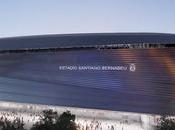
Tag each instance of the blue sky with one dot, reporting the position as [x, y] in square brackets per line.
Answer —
[36, 17]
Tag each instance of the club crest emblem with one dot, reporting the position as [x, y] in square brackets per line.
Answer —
[132, 67]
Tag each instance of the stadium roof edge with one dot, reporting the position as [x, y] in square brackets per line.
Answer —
[83, 40]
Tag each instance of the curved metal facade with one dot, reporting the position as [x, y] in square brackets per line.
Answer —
[36, 78]
[83, 40]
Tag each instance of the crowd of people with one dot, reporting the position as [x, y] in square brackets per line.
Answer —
[82, 123]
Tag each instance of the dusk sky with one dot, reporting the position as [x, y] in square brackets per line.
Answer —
[37, 17]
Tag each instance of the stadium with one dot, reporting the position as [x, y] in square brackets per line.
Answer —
[143, 82]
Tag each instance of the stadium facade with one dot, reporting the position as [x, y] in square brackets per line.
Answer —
[139, 74]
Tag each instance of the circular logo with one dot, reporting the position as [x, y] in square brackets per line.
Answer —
[132, 67]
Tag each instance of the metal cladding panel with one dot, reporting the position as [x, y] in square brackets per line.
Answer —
[145, 84]
[83, 40]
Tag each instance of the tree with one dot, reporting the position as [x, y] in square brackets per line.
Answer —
[49, 120]
[17, 124]
[66, 121]
[166, 123]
